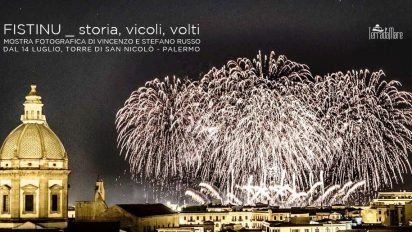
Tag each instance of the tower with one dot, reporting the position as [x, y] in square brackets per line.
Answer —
[99, 194]
[33, 171]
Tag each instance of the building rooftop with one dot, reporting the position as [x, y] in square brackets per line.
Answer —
[144, 210]
[291, 224]
[194, 208]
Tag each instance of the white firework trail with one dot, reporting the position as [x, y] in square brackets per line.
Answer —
[196, 196]
[325, 195]
[212, 190]
[341, 192]
[352, 189]
[285, 196]
[232, 199]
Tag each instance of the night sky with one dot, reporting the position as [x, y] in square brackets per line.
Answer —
[82, 92]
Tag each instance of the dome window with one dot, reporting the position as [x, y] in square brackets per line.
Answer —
[29, 198]
[55, 197]
[5, 199]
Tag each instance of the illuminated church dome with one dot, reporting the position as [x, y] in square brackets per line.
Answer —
[34, 172]
[33, 139]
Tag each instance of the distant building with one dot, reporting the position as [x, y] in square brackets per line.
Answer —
[142, 217]
[253, 218]
[131, 217]
[91, 210]
[392, 198]
[34, 172]
[183, 229]
[389, 209]
[71, 212]
[275, 226]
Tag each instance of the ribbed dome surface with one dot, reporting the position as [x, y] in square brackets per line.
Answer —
[32, 141]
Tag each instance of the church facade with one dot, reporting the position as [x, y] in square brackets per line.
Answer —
[34, 172]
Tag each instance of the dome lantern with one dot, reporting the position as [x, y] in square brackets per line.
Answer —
[33, 108]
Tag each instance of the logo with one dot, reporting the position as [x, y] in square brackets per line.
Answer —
[388, 33]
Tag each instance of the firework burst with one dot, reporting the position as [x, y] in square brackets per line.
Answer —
[154, 130]
[264, 117]
[252, 124]
[370, 119]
